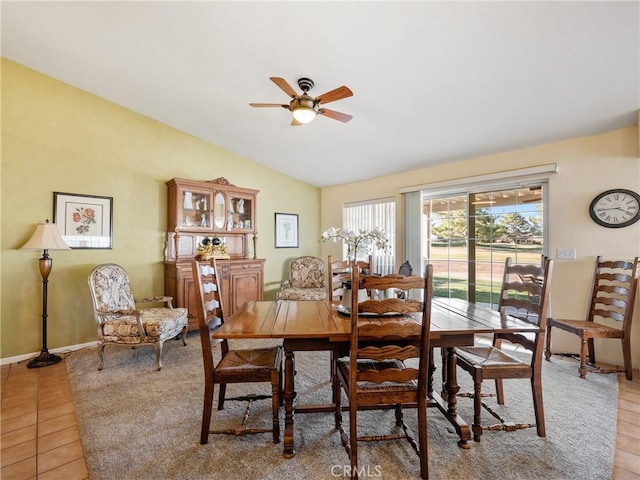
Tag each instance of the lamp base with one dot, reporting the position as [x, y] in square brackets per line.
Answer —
[44, 359]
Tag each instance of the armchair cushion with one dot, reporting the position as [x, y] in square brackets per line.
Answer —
[302, 294]
[157, 323]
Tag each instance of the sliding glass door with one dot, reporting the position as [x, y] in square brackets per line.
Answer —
[470, 234]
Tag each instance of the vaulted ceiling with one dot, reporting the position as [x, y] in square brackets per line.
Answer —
[433, 82]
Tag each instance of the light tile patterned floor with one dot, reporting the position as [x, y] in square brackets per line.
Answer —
[40, 437]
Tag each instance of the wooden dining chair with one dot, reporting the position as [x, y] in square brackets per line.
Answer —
[339, 271]
[235, 366]
[525, 295]
[612, 299]
[384, 369]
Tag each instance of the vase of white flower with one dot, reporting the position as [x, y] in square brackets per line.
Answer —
[356, 243]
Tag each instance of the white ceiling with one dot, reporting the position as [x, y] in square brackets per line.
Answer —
[433, 82]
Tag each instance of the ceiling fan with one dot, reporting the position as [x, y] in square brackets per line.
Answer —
[304, 107]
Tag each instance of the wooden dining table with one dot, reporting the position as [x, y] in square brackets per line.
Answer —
[318, 326]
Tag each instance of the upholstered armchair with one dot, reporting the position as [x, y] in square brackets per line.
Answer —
[120, 322]
[306, 280]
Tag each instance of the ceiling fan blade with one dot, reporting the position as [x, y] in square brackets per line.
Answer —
[336, 94]
[342, 117]
[286, 88]
[268, 105]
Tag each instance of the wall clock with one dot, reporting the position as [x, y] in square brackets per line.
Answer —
[615, 208]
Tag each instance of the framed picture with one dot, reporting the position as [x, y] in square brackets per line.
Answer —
[85, 221]
[286, 230]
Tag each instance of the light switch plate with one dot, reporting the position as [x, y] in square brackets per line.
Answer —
[566, 253]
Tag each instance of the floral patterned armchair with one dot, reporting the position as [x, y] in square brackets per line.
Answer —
[118, 320]
[306, 280]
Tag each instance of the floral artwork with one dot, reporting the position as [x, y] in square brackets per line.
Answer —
[84, 217]
[360, 242]
[85, 221]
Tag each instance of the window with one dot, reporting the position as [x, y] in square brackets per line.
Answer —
[470, 234]
[367, 215]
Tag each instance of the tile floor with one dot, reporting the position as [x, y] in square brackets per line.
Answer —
[40, 437]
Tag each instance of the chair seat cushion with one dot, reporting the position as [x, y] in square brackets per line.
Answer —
[577, 326]
[344, 364]
[159, 323]
[488, 357]
[251, 360]
[302, 294]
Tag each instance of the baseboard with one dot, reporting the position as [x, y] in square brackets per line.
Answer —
[61, 350]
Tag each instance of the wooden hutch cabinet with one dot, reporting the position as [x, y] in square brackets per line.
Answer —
[200, 210]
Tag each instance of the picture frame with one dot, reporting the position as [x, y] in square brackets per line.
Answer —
[85, 221]
[286, 230]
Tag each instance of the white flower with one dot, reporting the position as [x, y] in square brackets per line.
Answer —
[357, 242]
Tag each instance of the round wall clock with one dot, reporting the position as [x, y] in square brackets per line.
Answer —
[615, 208]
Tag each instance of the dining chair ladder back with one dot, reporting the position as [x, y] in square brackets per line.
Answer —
[612, 299]
[385, 368]
[253, 365]
[525, 295]
[338, 274]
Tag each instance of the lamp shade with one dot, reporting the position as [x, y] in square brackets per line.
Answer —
[46, 237]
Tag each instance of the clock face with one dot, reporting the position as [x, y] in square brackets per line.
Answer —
[616, 208]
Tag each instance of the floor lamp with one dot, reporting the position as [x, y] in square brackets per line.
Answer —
[46, 237]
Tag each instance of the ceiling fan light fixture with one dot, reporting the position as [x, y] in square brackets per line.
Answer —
[303, 108]
[304, 114]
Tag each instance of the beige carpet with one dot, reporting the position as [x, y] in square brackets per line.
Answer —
[138, 423]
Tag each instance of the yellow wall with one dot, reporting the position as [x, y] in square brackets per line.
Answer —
[587, 166]
[58, 138]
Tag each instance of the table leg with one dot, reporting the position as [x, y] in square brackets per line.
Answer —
[288, 395]
[443, 355]
[452, 388]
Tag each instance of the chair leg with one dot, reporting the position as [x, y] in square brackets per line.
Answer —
[592, 351]
[477, 408]
[100, 355]
[221, 394]
[337, 413]
[499, 391]
[207, 406]
[335, 385]
[582, 370]
[538, 407]
[626, 355]
[399, 415]
[353, 440]
[547, 351]
[158, 345]
[184, 336]
[422, 438]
